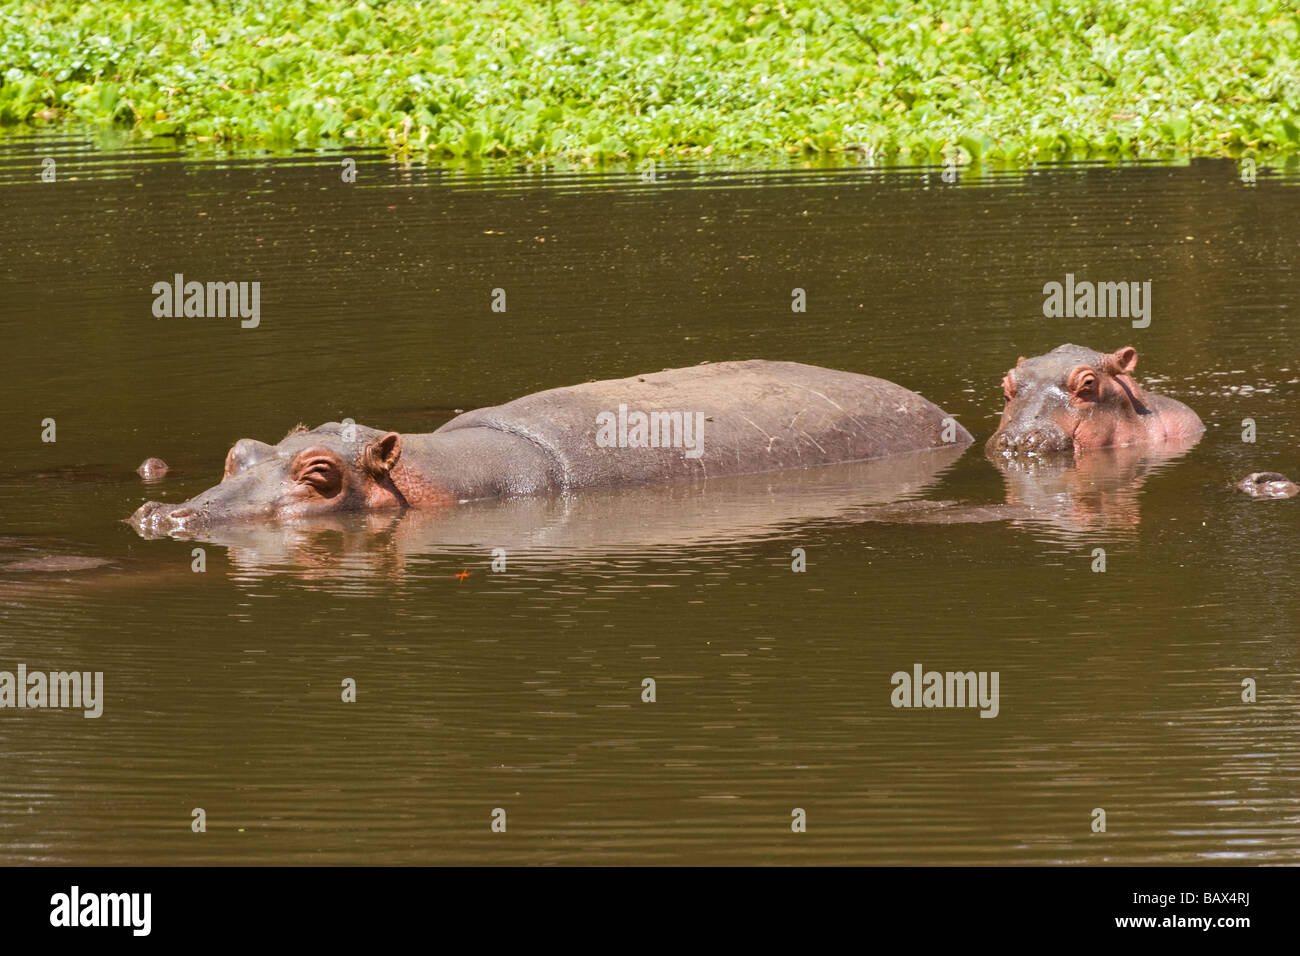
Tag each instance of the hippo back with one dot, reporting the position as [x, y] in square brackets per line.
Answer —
[729, 418]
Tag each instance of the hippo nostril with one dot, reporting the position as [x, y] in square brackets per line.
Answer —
[181, 513]
[148, 510]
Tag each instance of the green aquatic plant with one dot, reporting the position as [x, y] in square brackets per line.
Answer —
[971, 80]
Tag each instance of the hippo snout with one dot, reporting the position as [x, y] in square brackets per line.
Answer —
[159, 518]
[1044, 439]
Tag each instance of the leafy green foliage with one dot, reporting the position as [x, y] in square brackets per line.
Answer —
[1009, 80]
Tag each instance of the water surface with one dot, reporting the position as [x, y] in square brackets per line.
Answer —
[522, 689]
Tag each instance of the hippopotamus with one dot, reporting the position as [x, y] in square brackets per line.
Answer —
[702, 422]
[1268, 484]
[1074, 399]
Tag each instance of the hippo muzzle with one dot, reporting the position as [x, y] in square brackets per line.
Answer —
[156, 519]
[1045, 438]
[251, 494]
[148, 517]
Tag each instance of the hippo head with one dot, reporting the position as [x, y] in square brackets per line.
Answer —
[1070, 400]
[329, 469]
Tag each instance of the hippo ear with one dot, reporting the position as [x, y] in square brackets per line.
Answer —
[1124, 361]
[1020, 361]
[381, 454]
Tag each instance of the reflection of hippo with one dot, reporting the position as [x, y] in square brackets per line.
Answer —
[1268, 484]
[1089, 493]
[707, 421]
[1093, 492]
[1073, 399]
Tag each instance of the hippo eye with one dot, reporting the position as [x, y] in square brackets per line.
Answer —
[1008, 388]
[322, 475]
[1082, 381]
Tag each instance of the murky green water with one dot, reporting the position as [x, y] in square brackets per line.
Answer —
[522, 689]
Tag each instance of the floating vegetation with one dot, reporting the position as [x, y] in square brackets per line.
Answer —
[969, 80]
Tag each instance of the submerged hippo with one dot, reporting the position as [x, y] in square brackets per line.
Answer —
[1268, 484]
[152, 469]
[1074, 399]
[707, 421]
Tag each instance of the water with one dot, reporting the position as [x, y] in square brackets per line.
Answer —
[522, 690]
